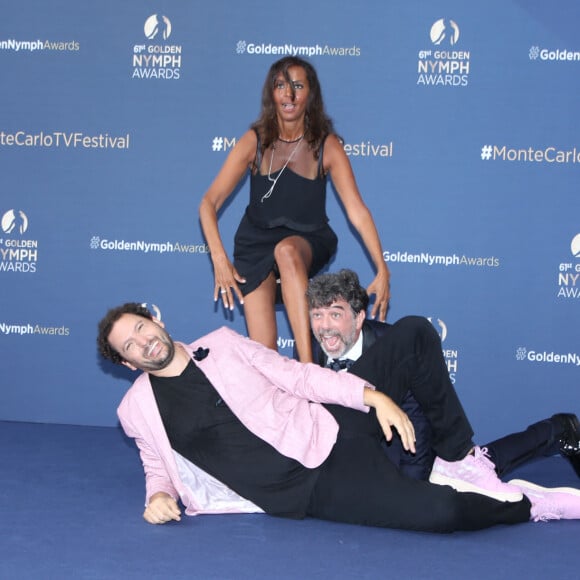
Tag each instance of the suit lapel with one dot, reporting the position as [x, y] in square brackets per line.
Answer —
[369, 336]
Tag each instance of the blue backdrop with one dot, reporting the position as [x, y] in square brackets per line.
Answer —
[460, 120]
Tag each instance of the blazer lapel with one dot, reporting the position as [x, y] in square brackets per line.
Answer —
[369, 336]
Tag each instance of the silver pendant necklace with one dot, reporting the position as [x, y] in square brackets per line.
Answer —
[274, 180]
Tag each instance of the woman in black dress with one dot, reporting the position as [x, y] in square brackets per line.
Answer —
[284, 236]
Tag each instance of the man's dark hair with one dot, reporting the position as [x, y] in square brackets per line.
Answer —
[106, 325]
[324, 289]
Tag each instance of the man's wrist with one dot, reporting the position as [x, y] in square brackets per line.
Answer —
[369, 395]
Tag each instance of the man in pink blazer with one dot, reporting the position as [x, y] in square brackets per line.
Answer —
[227, 425]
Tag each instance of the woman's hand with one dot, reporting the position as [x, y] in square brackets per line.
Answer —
[226, 282]
[381, 288]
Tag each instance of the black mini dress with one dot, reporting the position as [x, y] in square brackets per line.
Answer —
[283, 203]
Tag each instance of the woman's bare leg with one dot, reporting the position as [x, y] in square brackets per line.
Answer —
[259, 310]
[293, 256]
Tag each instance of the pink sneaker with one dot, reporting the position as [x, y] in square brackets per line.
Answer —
[550, 503]
[475, 473]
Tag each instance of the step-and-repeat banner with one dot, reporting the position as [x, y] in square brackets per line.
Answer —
[460, 120]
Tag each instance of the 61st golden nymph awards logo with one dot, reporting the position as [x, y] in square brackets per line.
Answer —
[569, 272]
[451, 355]
[156, 58]
[16, 253]
[443, 64]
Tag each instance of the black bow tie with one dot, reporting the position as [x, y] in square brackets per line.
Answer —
[339, 365]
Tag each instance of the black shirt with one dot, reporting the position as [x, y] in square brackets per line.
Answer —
[202, 428]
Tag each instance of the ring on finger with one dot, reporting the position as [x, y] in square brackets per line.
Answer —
[223, 291]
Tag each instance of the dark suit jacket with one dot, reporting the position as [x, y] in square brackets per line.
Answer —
[418, 465]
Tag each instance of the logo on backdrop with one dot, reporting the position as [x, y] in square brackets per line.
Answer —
[443, 64]
[28, 328]
[451, 355]
[369, 149]
[547, 54]
[444, 32]
[157, 59]
[14, 221]
[291, 49]
[41, 45]
[142, 246]
[223, 143]
[62, 140]
[549, 154]
[429, 259]
[153, 309]
[285, 343]
[549, 357]
[362, 149]
[575, 246]
[441, 328]
[16, 253]
[569, 272]
[157, 27]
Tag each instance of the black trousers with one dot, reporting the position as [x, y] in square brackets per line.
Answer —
[539, 439]
[358, 484]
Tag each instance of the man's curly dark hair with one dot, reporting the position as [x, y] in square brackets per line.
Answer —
[324, 289]
[106, 325]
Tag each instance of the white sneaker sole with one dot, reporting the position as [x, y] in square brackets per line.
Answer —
[523, 485]
[465, 486]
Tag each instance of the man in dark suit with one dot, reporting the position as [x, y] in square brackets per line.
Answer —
[406, 362]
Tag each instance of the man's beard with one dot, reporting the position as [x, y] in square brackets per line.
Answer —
[159, 364]
[346, 341]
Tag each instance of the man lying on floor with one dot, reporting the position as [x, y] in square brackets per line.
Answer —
[225, 424]
[405, 361]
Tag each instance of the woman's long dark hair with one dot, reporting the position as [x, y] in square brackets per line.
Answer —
[317, 124]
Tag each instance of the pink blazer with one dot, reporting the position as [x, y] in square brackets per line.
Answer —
[275, 397]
